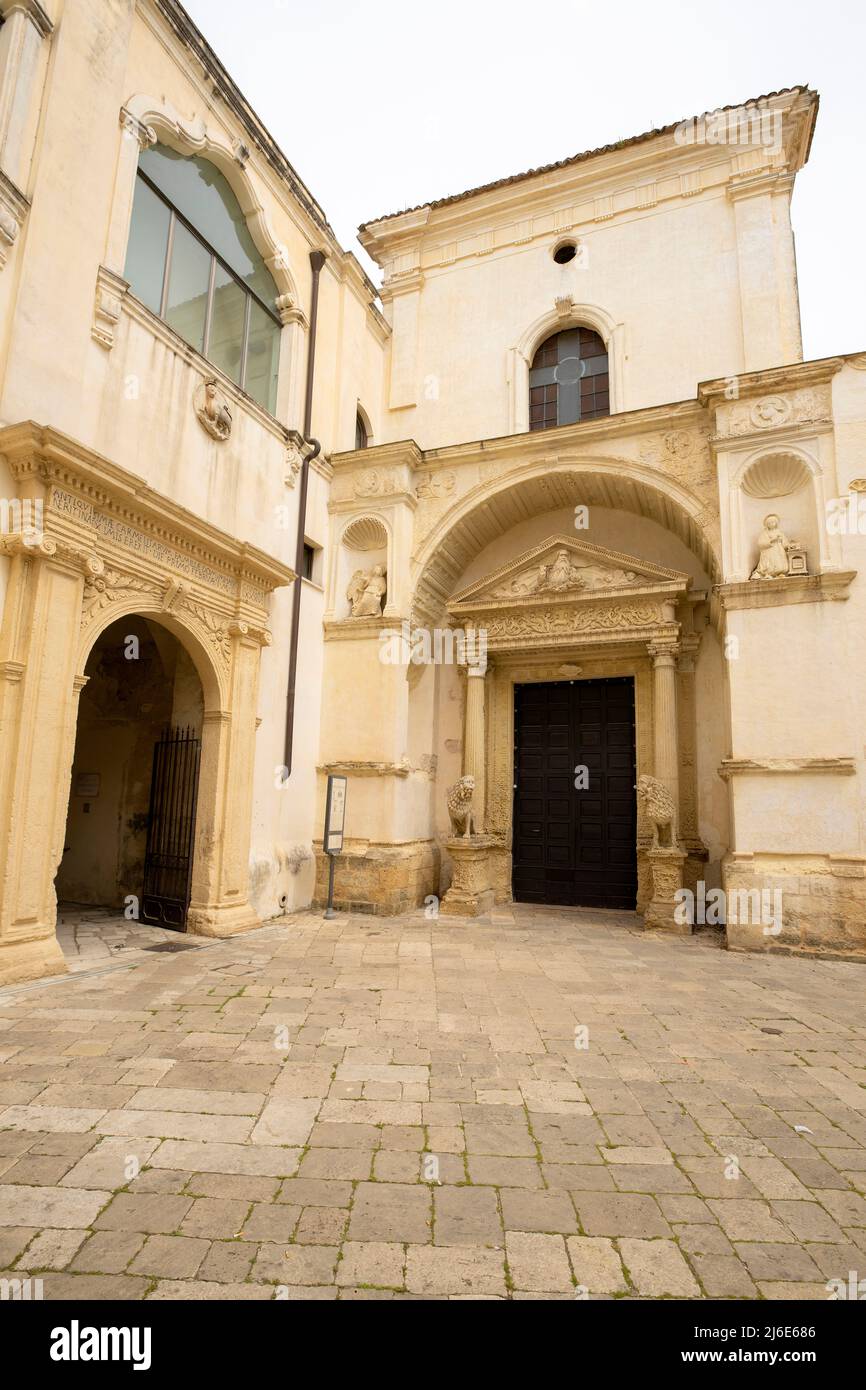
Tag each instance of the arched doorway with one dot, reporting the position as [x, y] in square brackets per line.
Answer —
[589, 580]
[130, 824]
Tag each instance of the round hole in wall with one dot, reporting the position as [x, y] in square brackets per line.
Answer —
[565, 252]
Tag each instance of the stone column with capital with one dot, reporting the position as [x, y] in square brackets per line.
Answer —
[690, 838]
[474, 737]
[665, 730]
[666, 863]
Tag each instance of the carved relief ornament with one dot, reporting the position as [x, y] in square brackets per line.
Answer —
[809, 405]
[373, 482]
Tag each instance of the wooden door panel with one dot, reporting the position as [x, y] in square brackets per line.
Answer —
[571, 845]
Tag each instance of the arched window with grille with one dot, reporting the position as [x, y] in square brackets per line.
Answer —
[362, 438]
[568, 379]
[191, 260]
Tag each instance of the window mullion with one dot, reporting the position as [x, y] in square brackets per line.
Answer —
[208, 313]
[246, 341]
[163, 302]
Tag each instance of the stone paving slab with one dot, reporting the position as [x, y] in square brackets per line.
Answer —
[540, 1105]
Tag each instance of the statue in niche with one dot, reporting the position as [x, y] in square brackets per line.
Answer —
[773, 548]
[366, 592]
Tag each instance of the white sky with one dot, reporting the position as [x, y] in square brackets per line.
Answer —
[387, 103]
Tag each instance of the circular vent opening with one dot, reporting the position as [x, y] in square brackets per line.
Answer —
[565, 253]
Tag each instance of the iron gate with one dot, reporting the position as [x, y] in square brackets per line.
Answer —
[171, 829]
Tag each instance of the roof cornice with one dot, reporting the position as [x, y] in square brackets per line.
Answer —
[656, 153]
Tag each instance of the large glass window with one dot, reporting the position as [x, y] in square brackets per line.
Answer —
[148, 238]
[569, 380]
[191, 260]
[188, 286]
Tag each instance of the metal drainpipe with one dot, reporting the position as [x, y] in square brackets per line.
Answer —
[317, 260]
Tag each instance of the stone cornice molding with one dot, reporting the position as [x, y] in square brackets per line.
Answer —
[770, 381]
[556, 442]
[368, 768]
[839, 767]
[402, 451]
[408, 282]
[772, 181]
[831, 586]
[339, 629]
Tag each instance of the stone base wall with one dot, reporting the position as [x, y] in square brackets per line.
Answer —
[823, 904]
[381, 879]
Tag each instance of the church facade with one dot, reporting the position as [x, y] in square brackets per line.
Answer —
[550, 546]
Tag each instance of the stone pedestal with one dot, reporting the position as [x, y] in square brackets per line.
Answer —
[470, 894]
[666, 871]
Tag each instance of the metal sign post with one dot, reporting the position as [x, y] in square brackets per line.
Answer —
[332, 843]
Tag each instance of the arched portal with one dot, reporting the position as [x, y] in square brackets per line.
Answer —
[495, 507]
[130, 823]
[587, 582]
[114, 549]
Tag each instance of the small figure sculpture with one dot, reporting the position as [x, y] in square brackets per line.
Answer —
[773, 547]
[366, 592]
[212, 410]
[659, 806]
[530, 582]
[459, 799]
[563, 574]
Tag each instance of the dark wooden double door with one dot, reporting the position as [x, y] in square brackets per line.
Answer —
[575, 844]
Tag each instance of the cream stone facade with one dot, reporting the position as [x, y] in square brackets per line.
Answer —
[464, 566]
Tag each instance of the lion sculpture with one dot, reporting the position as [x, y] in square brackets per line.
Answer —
[460, 807]
[659, 806]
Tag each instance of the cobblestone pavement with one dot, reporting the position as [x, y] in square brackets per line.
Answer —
[370, 1108]
[95, 936]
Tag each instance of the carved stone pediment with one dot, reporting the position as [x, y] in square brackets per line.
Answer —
[565, 591]
[564, 568]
